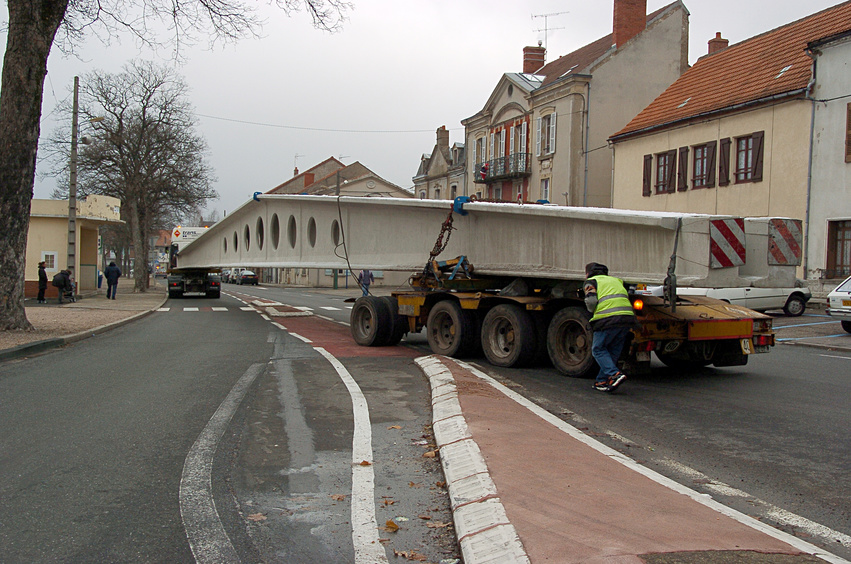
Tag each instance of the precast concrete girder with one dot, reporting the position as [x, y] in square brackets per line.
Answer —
[503, 239]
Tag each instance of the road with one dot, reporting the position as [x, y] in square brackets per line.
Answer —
[768, 439]
[206, 432]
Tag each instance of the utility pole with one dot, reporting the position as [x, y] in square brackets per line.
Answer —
[72, 185]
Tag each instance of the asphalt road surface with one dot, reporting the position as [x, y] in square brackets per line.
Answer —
[206, 432]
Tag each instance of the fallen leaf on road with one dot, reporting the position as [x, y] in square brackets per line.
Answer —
[256, 517]
[394, 427]
[389, 527]
[338, 497]
[430, 454]
[437, 525]
[440, 484]
[414, 485]
[365, 463]
[409, 554]
[424, 517]
[387, 502]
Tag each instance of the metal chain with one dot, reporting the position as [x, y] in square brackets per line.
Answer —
[440, 244]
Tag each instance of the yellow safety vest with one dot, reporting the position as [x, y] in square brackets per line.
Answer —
[612, 298]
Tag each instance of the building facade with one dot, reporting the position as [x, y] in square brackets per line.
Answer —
[442, 173]
[756, 129]
[542, 135]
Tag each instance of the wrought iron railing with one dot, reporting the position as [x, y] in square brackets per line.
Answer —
[516, 165]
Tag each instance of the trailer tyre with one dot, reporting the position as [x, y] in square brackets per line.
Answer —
[398, 322]
[371, 322]
[846, 325]
[569, 340]
[508, 336]
[451, 330]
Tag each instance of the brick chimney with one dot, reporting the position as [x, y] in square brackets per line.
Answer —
[534, 58]
[717, 43]
[443, 137]
[630, 19]
[295, 171]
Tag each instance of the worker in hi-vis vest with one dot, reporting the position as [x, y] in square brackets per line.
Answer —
[611, 321]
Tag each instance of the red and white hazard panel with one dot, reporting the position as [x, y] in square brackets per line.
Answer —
[785, 238]
[726, 242]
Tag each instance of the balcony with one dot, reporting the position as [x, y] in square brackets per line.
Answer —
[517, 165]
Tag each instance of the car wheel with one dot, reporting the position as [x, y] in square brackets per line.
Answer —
[846, 325]
[795, 306]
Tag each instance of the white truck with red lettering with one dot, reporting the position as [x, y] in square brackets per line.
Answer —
[191, 280]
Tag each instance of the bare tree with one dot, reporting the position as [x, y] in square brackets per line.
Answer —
[33, 26]
[144, 150]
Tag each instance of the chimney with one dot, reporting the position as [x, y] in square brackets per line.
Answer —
[442, 137]
[717, 43]
[295, 171]
[534, 58]
[630, 19]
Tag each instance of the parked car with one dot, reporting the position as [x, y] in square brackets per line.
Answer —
[839, 304]
[247, 277]
[793, 301]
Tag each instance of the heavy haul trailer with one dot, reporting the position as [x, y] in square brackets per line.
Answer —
[522, 321]
[522, 302]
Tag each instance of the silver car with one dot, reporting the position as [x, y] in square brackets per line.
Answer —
[839, 303]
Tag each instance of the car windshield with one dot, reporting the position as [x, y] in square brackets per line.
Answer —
[845, 286]
[247, 273]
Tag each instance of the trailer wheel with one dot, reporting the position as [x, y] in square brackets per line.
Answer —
[451, 330]
[371, 322]
[569, 340]
[398, 322]
[846, 325]
[508, 336]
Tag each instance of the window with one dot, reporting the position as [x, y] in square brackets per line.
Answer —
[437, 193]
[453, 191]
[518, 191]
[703, 166]
[545, 189]
[838, 249]
[546, 136]
[422, 194]
[480, 151]
[497, 193]
[49, 259]
[665, 170]
[749, 158]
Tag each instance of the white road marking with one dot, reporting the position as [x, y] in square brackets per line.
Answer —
[279, 326]
[297, 336]
[219, 309]
[303, 308]
[190, 309]
[330, 308]
[247, 309]
[836, 356]
[204, 530]
[368, 549]
[266, 317]
[163, 309]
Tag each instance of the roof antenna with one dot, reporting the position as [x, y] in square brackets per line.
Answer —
[546, 28]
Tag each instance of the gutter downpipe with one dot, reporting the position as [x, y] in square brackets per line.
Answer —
[587, 135]
[810, 97]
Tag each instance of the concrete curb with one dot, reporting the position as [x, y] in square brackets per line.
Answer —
[48, 344]
[484, 531]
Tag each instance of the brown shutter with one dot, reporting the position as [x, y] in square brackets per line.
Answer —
[848, 134]
[672, 171]
[682, 170]
[758, 144]
[724, 162]
[648, 175]
[710, 163]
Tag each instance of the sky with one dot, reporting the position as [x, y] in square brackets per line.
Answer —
[377, 91]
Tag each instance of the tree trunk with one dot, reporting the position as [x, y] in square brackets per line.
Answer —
[32, 27]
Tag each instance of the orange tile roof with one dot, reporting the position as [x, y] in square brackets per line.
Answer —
[772, 64]
[578, 61]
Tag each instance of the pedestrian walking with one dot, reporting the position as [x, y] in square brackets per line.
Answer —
[42, 282]
[612, 320]
[112, 273]
[365, 278]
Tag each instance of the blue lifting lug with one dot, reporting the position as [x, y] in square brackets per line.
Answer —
[458, 205]
[257, 196]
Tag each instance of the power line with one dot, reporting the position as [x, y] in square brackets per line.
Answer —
[323, 129]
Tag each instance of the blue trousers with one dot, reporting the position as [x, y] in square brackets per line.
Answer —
[110, 290]
[606, 348]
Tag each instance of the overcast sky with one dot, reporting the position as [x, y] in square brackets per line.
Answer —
[377, 91]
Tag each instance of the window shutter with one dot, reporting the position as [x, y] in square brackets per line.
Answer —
[512, 140]
[682, 169]
[648, 175]
[492, 156]
[710, 163]
[758, 145]
[848, 133]
[672, 171]
[523, 148]
[553, 132]
[538, 137]
[724, 162]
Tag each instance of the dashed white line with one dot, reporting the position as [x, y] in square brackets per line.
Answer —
[191, 309]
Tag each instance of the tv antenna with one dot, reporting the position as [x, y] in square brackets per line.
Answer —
[546, 26]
